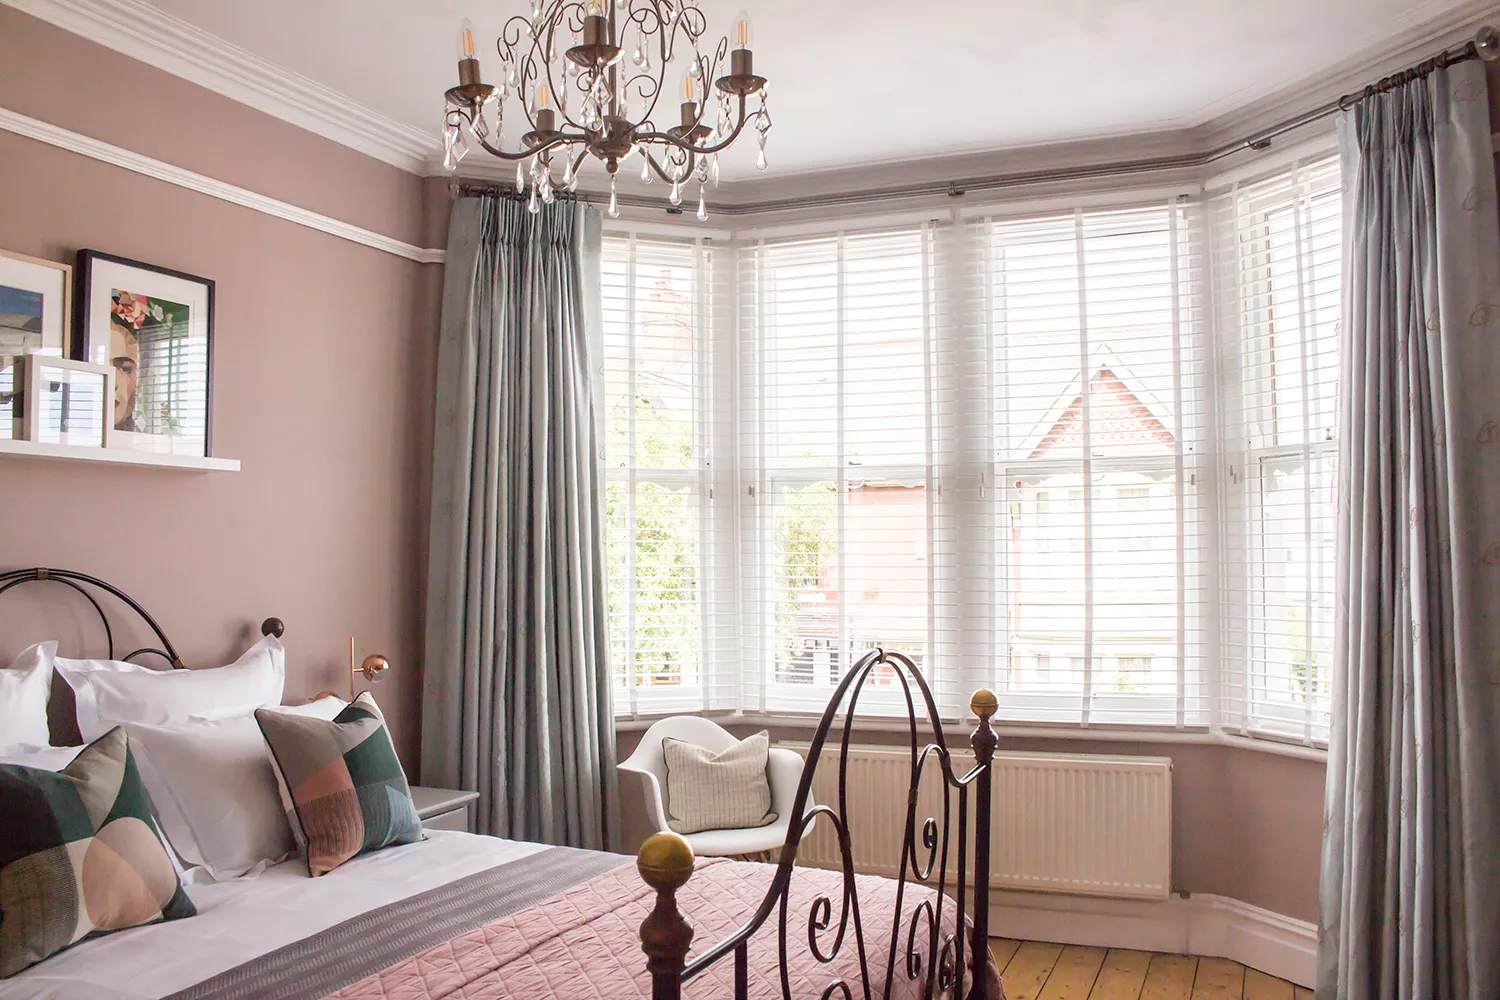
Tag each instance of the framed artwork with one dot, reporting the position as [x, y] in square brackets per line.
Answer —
[155, 326]
[33, 305]
[68, 402]
[34, 319]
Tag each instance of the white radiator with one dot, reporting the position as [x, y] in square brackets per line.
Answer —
[1074, 823]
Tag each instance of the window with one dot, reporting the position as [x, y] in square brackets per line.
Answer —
[836, 364]
[1097, 399]
[1010, 447]
[664, 544]
[1277, 260]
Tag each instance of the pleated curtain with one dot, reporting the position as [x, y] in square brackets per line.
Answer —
[516, 684]
[1410, 901]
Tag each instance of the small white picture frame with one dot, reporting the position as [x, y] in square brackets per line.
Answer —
[68, 402]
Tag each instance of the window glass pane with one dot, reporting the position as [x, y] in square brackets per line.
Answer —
[842, 421]
[805, 647]
[653, 423]
[1278, 249]
[1293, 642]
[1093, 330]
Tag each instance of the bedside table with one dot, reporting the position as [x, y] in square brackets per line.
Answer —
[445, 808]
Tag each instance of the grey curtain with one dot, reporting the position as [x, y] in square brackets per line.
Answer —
[1410, 901]
[516, 686]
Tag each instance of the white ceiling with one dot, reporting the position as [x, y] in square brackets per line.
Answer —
[864, 81]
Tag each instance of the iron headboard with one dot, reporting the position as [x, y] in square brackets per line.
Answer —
[83, 582]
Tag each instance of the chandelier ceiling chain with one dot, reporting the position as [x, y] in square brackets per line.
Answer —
[564, 67]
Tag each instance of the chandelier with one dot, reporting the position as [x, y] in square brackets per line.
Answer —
[578, 96]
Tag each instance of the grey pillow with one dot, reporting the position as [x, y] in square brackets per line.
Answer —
[725, 791]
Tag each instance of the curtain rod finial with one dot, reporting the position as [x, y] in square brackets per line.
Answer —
[1487, 44]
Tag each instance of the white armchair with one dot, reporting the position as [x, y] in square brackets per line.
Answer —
[783, 769]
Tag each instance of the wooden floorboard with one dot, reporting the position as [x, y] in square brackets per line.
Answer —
[1035, 970]
[1074, 974]
[1170, 977]
[1003, 949]
[1219, 979]
[1029, 970]
[1259, 986]
[1122, 975]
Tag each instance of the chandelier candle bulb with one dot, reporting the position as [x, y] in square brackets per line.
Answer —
[466, 48]
[546, 115]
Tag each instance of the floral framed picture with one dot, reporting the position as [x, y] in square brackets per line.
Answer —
[156, 327]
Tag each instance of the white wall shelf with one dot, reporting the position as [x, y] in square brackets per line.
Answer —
[116, 456]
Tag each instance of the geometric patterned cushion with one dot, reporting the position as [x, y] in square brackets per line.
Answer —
[79, 855]
[341, 783]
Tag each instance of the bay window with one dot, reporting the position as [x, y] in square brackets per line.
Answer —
[1083, 457]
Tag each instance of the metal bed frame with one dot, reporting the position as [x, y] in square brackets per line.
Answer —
[945, 966]
[937, 962]
[85, 584]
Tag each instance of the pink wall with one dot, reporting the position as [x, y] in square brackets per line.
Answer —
[324, 353]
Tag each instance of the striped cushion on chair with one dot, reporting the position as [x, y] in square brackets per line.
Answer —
[725, 791]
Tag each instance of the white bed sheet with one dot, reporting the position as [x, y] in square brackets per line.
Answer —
[243, 919]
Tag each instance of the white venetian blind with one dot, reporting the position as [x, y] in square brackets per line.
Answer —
[841, 374]
[1098, 372]
[671, 613]
[1276, 272]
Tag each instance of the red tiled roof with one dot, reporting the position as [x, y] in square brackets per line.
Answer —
[1118, 421]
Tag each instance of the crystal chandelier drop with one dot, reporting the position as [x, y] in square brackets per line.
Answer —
[565, 69]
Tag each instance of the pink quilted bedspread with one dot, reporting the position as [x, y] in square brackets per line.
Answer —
[584, 944]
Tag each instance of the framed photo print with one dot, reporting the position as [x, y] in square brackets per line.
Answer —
[34, 319]
[33, 305]
[68, 402]
[155, 326]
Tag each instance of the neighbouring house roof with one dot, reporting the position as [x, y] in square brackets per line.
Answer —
[1123, 419]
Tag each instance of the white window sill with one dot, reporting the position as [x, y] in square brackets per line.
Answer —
[958, 731]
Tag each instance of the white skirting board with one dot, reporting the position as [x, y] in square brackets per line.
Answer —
[1209, 926]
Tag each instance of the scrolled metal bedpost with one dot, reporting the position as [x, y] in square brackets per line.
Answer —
[665, 861]
[984, 741]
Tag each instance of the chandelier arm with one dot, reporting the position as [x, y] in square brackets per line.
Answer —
[578, 160]
[681, 21]
[671, 139]
[552, 23]
[525, 64]
[561, 138]
[653, 96]
[638, 17]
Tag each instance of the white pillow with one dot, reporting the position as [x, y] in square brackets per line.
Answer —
[24, 691]
[109, 692]
[214, 791]
[43, 758]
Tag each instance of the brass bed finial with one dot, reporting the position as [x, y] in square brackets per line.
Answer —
[665, 861]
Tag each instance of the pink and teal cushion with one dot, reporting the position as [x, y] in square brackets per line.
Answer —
[79, 855]
[341, 783]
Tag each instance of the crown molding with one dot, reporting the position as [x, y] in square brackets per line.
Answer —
[143, 32]
[54, 135]
[1228, 120]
